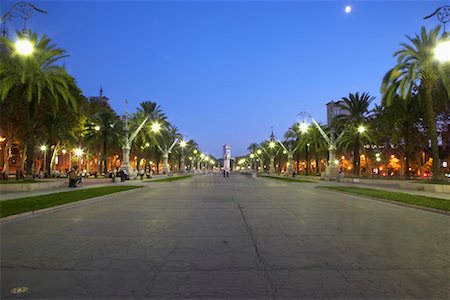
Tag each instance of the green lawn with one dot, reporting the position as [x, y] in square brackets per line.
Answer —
[284, 178]
[170, 179]
[21, 205]
[425, 201]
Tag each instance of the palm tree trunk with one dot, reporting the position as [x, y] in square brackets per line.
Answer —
[356, 158]
[431, 120]
[105, 158]
[317, 165]
[30, 151]
[407, 151]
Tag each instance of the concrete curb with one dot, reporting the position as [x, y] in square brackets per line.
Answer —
[45, 211]
[435, 210]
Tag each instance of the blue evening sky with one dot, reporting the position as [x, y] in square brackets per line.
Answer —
[225, 72]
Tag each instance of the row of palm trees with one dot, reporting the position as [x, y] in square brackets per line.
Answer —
[42, 104]
[413, 115]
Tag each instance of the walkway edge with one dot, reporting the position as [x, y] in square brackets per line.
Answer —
[435, 210]
[48, 210]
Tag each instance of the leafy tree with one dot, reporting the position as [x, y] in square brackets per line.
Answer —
[356, 108]
[35, 81]
[316, 144]
[418, 69]
[104, 130]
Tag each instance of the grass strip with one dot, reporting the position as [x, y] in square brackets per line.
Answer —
[285, 178]
[170, 179]
[424, 201]
[21, 205]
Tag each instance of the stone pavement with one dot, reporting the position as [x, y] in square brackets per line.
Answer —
[241, 238]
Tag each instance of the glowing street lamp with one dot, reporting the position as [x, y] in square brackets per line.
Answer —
[442, 50]
[44, 149]
[24, 47]
[361, 129]
[156, 127]
[304, 127]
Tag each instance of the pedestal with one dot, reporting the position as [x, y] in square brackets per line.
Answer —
[331, 172]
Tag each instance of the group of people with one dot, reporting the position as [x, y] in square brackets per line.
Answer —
[122, 174]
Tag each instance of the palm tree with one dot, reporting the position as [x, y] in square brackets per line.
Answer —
[356, 114]
[252, 148]
[293, 136]
[418, 69]
[106, 131]
[35, 81]
[315, 142]
[165, 141]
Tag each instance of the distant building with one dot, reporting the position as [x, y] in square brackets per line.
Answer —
[227, 157]
[334, 110]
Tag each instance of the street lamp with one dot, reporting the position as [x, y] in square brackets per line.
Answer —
[442, 50]
[23, 10]
[156, 127]
[361, 129]
[44, 149]
[303, 127]
[24, 47]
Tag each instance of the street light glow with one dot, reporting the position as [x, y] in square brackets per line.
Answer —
[78, 152]
[156, 127]
[303, 127]
[24, 47]
[442, 50]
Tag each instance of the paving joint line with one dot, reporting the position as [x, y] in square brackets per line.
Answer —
[255, 247]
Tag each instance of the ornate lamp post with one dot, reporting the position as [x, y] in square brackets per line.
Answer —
[24, 11]
[331, 169]
[442, 50]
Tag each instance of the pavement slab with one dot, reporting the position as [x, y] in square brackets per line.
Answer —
[209, 237]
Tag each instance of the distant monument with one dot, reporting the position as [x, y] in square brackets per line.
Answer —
[227, 157]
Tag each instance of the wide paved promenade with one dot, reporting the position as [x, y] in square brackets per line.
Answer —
[213, 237]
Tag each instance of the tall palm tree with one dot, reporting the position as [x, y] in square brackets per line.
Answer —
[36, 80]
[315, 142]
[356, 114]
[418, 69]
[105, 130]
[293, 136]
